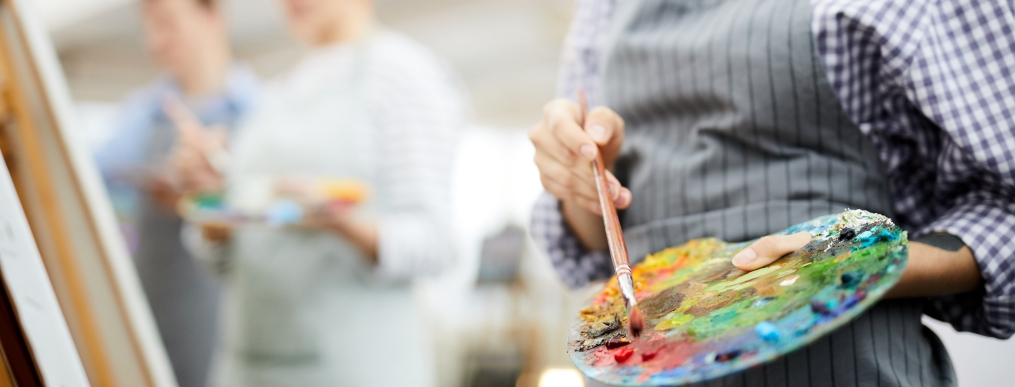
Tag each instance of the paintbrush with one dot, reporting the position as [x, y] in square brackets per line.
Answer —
[614, 235]
[189, 125]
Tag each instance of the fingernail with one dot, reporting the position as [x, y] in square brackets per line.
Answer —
[614, 192]
[597, 132]
[745, 257]
[588, 151]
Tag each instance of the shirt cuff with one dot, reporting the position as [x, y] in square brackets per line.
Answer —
[575, 265]
[986, 228]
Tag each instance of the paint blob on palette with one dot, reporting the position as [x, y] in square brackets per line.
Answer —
[706, 319]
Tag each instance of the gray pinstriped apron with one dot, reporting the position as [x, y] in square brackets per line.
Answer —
[734, 132]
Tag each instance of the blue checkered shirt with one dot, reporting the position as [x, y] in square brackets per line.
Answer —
[932, 84]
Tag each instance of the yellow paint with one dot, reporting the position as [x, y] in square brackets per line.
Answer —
[744, 281]
[674, 322]
[844, 256]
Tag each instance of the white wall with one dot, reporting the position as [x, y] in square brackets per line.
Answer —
[979, 361]
[57, 14]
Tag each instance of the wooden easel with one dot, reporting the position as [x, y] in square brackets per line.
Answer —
[70, 218]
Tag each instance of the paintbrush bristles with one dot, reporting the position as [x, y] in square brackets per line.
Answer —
[635, 321]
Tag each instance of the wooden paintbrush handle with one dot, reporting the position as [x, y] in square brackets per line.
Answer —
[614, 234]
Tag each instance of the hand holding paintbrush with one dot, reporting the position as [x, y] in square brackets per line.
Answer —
[199, 159]
[197, 162]
[614, 235]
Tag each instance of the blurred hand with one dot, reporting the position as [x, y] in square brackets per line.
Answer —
[930, 272]
[162, 192]
[338, 217]
[565, 150]
[192, 159]
[769, 249]
[216, 232]
[341, 218]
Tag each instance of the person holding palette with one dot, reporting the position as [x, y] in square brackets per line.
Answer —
[327, 302]
[737, 118]
[189, 40]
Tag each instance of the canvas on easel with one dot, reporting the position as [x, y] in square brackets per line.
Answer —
[69, 215]
[36, 343]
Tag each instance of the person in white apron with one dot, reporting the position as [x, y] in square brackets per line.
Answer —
[330, 305]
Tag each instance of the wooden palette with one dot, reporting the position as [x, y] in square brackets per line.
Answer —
[706, 319]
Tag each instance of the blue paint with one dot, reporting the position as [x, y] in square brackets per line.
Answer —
[850, 302]
[284, 212]
[875, 235]
[767, 331]
[850, 280]
[763, 301]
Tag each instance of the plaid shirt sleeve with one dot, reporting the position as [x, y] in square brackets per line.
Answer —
[932, 85]
[579, 69]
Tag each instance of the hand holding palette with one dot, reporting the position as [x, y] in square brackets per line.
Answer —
[706, 319]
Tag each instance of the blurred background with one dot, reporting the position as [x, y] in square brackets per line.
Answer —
[501, 317]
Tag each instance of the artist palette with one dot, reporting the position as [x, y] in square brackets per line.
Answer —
[278, 202]
[706, 319]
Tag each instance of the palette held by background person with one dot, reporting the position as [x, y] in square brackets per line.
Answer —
[273, 201]
[706, 319]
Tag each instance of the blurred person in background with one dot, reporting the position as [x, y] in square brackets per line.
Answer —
[188, 39]
[327, 302]
[735, 119]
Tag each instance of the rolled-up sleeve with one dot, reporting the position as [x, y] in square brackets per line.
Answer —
[418, 109]
[931, 84]
[575, 265]
[985, 223]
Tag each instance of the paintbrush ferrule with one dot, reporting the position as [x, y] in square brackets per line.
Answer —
[627, 288]
[623, 269]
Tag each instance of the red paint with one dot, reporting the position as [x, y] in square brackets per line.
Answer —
[655, 352]
[602, 357]
[623, 354]
[617, 342]
[665, 355]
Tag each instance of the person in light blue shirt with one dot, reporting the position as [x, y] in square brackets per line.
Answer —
[189, 41]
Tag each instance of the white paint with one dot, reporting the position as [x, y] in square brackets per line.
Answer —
[789, 281]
